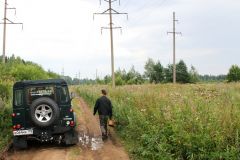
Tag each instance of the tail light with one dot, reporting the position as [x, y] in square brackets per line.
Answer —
[13, 114]
[18, 126]
[71, 123]
[71, 110]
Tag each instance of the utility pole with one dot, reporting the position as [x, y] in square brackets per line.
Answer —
[110, 11]
[96, 74]
[174, 46]
[79, 74]
[62, 73]
[5, 22]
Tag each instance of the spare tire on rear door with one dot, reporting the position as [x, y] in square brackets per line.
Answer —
[44, 112]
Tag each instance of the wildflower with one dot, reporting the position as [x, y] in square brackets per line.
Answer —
[143, 110]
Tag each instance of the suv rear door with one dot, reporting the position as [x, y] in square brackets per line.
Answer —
[18, 116]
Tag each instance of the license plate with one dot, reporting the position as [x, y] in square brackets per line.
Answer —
[23, 132]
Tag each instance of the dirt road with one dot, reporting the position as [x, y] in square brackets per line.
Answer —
[90, 145]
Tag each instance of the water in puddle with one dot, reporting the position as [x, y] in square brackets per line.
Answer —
[97, 143]
[94, 143]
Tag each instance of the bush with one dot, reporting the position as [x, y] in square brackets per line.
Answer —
[5, 91]
[28, 72]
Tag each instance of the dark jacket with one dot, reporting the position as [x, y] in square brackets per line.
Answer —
[103, 106]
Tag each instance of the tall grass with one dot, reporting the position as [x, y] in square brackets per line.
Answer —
[176, 121]
[5, 113]
[5, 127]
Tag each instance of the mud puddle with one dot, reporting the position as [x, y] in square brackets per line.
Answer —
[88, 141]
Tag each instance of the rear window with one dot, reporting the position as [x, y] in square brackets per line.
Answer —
[41, 91]
[18, 100]
[64, 95]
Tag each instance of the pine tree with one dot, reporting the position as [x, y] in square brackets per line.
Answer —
[233, 74]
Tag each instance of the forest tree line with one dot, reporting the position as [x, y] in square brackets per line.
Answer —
[17, 69]
[155, 72]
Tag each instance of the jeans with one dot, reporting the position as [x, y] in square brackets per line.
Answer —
[103, 124]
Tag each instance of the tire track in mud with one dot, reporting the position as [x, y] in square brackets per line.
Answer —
[90, 146]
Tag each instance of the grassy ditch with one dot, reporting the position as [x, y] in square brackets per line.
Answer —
[176, 121]
[5, 114]
[5, 127]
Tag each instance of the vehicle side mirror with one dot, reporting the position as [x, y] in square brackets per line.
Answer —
[72, 95]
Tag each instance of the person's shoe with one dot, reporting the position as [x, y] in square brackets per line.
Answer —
[104, 138]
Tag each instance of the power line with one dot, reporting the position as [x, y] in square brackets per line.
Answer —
[110, 11]
[174, 46]
[5, 22]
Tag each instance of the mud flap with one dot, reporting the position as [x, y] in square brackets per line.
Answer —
[71, 138]
[20, 142]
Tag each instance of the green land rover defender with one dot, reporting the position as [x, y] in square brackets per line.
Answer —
[42, 111]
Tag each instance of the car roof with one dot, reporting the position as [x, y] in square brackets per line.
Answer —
[21, 84]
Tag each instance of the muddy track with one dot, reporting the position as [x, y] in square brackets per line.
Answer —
[90, 146]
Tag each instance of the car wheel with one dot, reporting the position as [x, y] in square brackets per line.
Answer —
[44, 112]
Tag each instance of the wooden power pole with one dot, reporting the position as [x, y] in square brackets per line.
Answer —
[111, 11]
[5, 22]
[174, 46]
[4, 31]
[111, 39]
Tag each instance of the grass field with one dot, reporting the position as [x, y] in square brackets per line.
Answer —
[176, 121]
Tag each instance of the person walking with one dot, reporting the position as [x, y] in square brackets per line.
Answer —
[103, 106]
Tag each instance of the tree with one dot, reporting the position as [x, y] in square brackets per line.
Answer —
[194, 76]
[121, 77]
[149, 69]
[130, 77]
[133, 77]
[107, 79]
[154, 71]
[168, 73]
[212, 78]
[52, 74]
[233, 74]
[75, 81]
[158, 72]
[119, 80]
[182, 74]
[28, 72]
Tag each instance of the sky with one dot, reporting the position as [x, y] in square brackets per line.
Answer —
[62, 34]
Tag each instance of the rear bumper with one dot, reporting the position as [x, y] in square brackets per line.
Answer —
[52, 130]
[48, 134]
